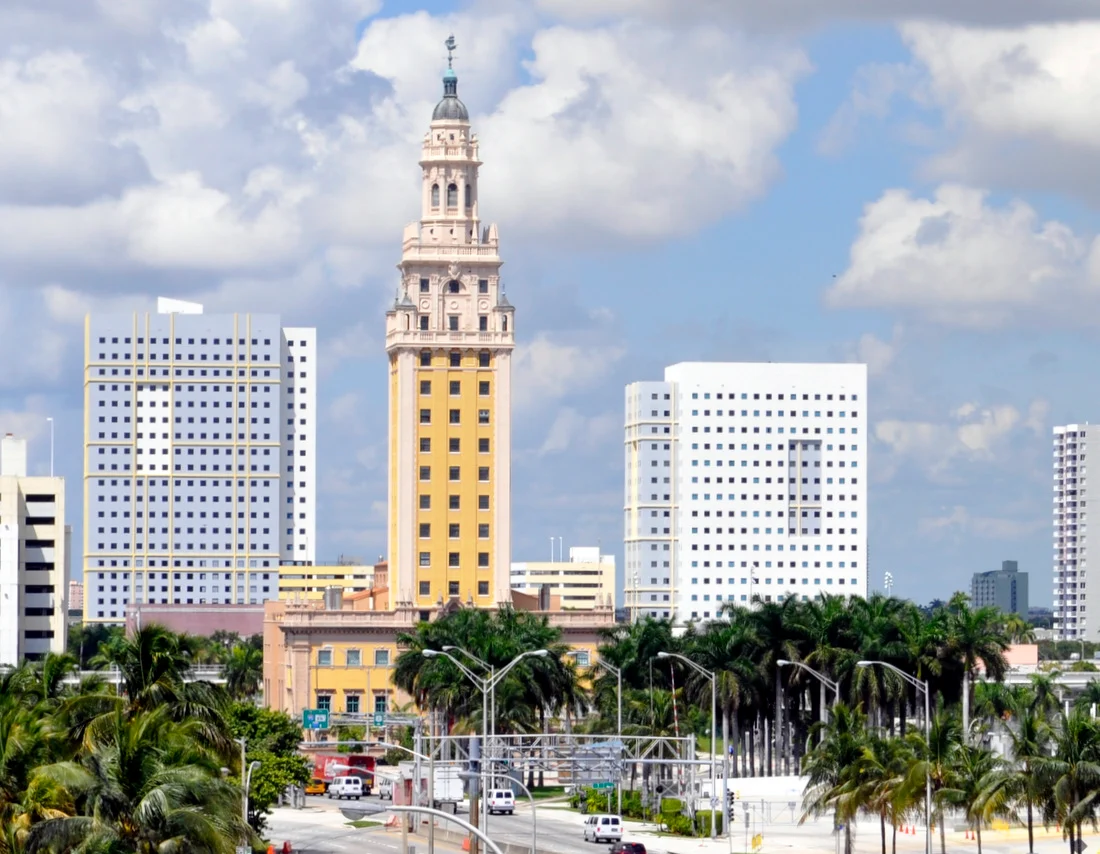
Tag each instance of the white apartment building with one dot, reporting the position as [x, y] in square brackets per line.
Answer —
[585, 581]
[34, 559]
[744, 480]
[200, 436]
[1073, 534]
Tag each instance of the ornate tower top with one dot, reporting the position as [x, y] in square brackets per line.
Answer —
[450, 108]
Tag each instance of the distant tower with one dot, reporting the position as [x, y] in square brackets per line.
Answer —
[449, 336]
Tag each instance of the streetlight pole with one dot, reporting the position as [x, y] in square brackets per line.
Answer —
[920, 685]
[618, 674]
[713, 738]
[487, 687]
[825, 681]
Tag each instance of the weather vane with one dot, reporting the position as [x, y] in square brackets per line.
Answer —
[450, 44]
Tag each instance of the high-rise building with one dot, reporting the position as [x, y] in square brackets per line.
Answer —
[199, 457]
[586, 580]
[1074, 535]
[449, 336]
[744, 480]
[1004, 588]
[34, 559]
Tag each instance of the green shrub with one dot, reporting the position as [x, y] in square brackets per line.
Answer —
[677, 823]
[702, 822]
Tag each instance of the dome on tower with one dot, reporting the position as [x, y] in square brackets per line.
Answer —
[450, 108]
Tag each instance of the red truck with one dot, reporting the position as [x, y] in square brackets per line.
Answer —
[327, 766]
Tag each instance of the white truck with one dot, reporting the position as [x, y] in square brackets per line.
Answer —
[448, 785]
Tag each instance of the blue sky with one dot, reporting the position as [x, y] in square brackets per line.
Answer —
[906, 183]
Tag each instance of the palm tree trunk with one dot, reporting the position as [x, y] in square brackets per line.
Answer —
[894, 841]
[736, 739]
[751, 736]
[848, 836]
[978, 833]
[725, 747]
[943, 836]
[966, 705]
[1030, 830]
[882, 826]
[904, 708]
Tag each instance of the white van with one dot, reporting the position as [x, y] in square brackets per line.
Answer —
[346, 787]
[385, 789]
[606, 828]
[501, 800]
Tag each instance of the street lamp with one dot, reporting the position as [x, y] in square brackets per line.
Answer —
[920, 685]
[255, 763]
[713, 739]
[488, 687]
[618, 674]
[825, 681]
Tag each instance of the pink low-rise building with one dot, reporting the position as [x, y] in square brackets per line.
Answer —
[202, 620]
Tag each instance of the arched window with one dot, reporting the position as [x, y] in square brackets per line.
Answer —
[469, 197]
[505, 319]
[452, 195]
[435, 195]
[453, 286]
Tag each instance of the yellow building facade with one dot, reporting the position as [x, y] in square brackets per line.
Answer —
[450, 336]
[300, 582]
[340, 655]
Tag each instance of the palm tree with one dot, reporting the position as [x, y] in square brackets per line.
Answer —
[1071, 777]
[935, 760]
[831, 767]
[1029, 733]
[143, 784]
[244, 671]
[973, 784]
[880, 780]
[975, 635]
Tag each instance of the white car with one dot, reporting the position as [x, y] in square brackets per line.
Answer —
[346, 787]
[605, 828]
[501, 800]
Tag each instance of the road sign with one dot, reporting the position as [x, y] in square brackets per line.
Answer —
[379, 719]
[1079, 845]
[314, 718]
[601, 786]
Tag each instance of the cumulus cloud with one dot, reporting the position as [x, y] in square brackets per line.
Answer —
[804, 14]
[1019, 102]
[969, 433]
[960, 260]
[546, 369]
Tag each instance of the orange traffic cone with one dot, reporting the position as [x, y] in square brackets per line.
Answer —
[270, 849]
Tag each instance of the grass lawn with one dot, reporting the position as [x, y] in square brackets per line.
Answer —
[541, 792]
[362, 822]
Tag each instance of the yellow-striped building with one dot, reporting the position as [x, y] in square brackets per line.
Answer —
[450, 336]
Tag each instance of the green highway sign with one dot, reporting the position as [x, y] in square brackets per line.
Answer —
[379, 719]
[598, 786]
[314, 718]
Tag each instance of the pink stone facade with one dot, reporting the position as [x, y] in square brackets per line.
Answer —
[202, 620]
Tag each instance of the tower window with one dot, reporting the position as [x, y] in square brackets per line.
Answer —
[455, 388]
[425, 446]
[483, 323]
[452, 588]
[483, 446]
[453, 286]
[456, 360]
[425, 502]
[425, 386]
[453, 502]
[435, 195]
[483, 388]
[483, 286]
[425, 588]
[483, 359]
[424, 328]
[504, 324]
[452, 195]
[469, 197]
[425, 358]
[424, 285]
[483, 588]
[452, 322]
[425, 416]
[483, 502]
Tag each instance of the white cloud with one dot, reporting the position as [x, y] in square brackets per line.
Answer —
[970, 433]
[805, 14]
[546, 370]
[876, 353]
[961, 261]
[875, 87]
[958, 520]
[575, 432]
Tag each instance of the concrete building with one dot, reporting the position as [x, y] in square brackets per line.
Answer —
[450, 336]
[34, 558]
[306, 581]
[199, 457]
[1004, 588]
[744, 480]
[198, 620]
[585, 581]
[338, 653]
[1076, 526]
[75, 602]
